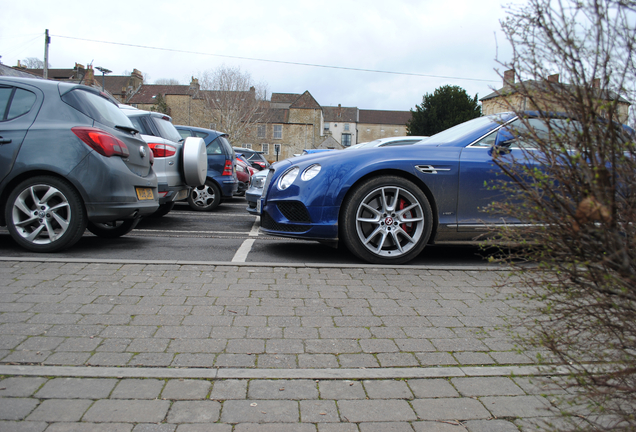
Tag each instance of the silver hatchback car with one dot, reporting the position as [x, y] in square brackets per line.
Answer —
[180, 164]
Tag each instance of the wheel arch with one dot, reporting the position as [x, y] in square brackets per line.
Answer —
[398, 173]
[11, 184]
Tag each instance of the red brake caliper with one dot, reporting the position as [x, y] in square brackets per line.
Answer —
[408, 228]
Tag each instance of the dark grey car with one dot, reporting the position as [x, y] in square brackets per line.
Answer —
[69, 159]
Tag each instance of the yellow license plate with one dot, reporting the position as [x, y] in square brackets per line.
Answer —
[144, 193]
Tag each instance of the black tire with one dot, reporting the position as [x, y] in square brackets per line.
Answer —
[206, 197]
[45, 214]
[163, 210]
[113, 229]
[386, 220]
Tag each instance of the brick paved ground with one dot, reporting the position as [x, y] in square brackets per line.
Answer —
[264, 319]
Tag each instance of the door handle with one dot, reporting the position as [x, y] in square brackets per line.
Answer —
[5, 140]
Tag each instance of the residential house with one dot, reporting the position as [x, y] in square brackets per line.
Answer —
[374, 124]
[508, 97]
[341, 123]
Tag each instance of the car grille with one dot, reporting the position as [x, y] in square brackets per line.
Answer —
[294, 211]
[268, 223]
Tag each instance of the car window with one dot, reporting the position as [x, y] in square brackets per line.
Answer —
[140, 125]
[15, 102]
[166, 129]
[96, 107]
[21, 103]
[5, 95]
[200, 134]
[184, 133]
[214, 147]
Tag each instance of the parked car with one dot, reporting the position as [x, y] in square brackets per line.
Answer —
[314, 151]
[255, 191]
[180, 163]
[69, 160]
[389, 142]
[243, 174]
[254, 157]
[221, 181]
[387, 208]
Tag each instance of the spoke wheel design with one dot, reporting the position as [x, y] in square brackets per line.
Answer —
[387, 220]
[45, 214]
[206, 197]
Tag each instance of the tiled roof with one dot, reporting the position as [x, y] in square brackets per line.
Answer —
[146, 92]
[284, 97]
[277, 115]
[384, 117]
[306, 100]
[542, 86]
[340, 114]
[15, 72]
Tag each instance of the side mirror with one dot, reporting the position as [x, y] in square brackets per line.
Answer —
[503, 141]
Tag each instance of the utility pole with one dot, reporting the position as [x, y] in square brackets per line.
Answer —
[47, 41]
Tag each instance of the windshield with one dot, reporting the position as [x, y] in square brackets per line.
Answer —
[461, 130]
[167, 129]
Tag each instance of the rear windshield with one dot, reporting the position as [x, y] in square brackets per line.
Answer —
[96, 107]
[167, 129]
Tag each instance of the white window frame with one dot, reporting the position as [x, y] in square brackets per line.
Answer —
[261, 128]
[248, 146]
[265, 148]
[278, 132]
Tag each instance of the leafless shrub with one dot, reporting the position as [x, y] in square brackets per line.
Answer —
[575, 179]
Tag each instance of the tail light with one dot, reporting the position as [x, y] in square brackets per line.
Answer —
[227, 169]
[101, 141]
[162, 150]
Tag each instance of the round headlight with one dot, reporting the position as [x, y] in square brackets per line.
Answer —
[310, 172]
[288, 178]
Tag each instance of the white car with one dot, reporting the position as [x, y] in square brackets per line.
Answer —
[180, 164]
[387, 142]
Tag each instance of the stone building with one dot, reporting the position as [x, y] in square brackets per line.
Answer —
[508, 96]
[374, 124]
[285, 125]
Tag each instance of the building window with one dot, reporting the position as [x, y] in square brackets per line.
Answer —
[346, 140]
[368, 130]
[278, 131]
[248, 146]
[265, 148]
[326, 126]
[261, 131]
[346, 126]
[277, 149]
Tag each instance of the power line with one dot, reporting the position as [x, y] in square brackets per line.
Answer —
[272, 61]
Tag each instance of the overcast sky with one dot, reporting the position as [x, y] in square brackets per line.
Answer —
[424, 44]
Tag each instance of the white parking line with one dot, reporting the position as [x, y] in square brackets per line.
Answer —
[243, 251]
[257, 224]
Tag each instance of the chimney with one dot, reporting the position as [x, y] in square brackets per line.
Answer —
[553, 78]
[509, 78]
[194, 84]
[89, 77]
[136, 73]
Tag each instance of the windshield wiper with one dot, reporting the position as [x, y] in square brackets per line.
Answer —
[127, 128]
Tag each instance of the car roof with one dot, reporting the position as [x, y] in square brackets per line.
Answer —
[199, 129]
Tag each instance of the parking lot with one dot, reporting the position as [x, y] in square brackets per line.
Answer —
[228, 234]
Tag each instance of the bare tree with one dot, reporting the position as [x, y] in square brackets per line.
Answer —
[234, 102]
[167, 81]
[574, 177]
[33, 63]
